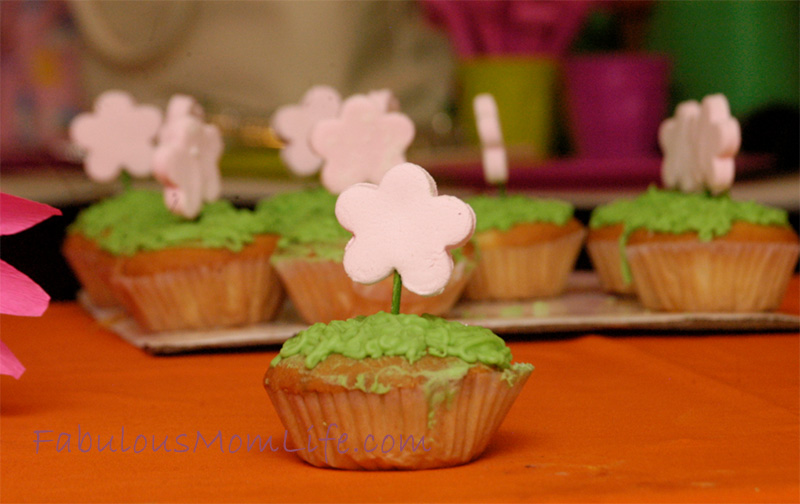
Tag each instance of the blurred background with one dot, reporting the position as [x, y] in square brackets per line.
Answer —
[581, 88]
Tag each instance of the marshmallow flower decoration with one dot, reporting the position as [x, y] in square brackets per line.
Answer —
[179, 106]
[699, 145]
[495, 162]
[293, 124]
[402, 224]
[362, 144]
[118, 135]
[187, 164]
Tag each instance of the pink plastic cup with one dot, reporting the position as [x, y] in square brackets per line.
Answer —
[615, 104]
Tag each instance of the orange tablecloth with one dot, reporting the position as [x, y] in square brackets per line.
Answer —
[660, 418]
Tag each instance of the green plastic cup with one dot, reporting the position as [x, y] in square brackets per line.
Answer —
[524, 89]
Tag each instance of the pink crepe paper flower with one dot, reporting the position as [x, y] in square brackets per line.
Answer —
[402, 224]
[186, 162]
[19, 295]
[293, 124]
[118, 135]
[362, 143]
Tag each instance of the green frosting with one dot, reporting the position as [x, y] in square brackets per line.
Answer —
[503, 212]
[138, 220]
[307, 224]
[675, 212]
[409, 336]
[668, 211]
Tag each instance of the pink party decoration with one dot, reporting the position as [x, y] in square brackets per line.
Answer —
[118, 135]
[385, 99]
[186, 162]
[718, 140]
[293, 124]
[19, 295]
[699, 144]
[402, 224]
[495, 162]
[362, 144]
[676, 137]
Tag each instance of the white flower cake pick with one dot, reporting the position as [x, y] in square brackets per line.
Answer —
[362, 143]
[186, 161]
[487, 123]
[402, 225]
[293, 124]
[118, 135]
[700, 144]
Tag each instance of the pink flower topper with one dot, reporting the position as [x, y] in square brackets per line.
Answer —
[403, 225]
[118, 135]
[19, 295]
[362, 143]
[186, 160]
[293, 124]
[487, 122]
[699, 144]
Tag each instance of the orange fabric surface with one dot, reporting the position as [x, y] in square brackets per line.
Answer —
[658, 418]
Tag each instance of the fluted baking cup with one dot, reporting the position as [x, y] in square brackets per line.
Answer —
[238, 292]
[400, 429]
[521, 272]
[720, 276]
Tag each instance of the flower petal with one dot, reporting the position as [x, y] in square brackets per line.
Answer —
[9, 364]
[18, 214]
[19, 295]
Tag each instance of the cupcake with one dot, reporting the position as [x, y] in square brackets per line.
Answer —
[691, 247]
[527, 247]
[702, 253]
[393, 391]
[605, 245]
[308, 260]
[171, 273]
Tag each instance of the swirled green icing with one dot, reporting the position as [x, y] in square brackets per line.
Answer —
[307, 224]
[501, 213]
[675, 212]
[409, 336]
[138, 220]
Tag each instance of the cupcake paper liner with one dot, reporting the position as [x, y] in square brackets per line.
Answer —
[607, 261]
[321, 291]
[533, 271]
[380, 427]
[720, 276]
[239, 292]
[93, 267]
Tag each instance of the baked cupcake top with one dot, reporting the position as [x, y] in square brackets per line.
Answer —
[503, 212]
[138, 220]
[675, 212]
[307, 224]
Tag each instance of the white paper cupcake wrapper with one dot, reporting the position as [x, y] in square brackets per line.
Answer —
[240, 292]
[607, 261]
[712, 277]
[533, 271]
[457, 431]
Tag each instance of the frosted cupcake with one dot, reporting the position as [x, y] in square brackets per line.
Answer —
[170, 273]
[526, 247]
[431, 392]
[697, 252]
[605, 245]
